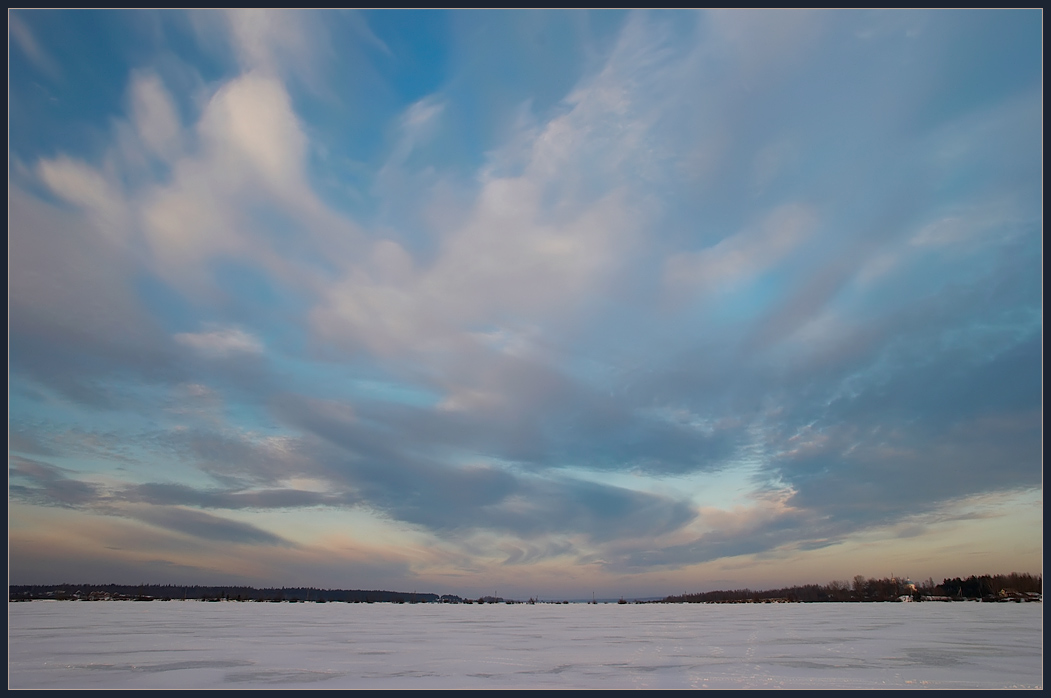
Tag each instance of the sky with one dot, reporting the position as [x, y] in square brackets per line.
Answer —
[528, 303]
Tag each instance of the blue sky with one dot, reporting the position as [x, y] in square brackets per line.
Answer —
[529, 302]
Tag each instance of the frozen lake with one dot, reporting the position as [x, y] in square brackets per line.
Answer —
[191, 644]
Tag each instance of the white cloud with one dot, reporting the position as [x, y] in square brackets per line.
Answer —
[285, 43]
[23, 36]
[250, 125]
[505, 260]
[422, 113]
[249, 172]
[187, 222]
[86, 187]
[264, 38]
[557, 215]
[742, 256]
[221, 342]
[764, 41]
[417, 126]
[235, 189]
[154, 116]
[990, 222]
[65, 281]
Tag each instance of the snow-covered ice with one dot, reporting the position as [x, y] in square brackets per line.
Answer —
[191, 644]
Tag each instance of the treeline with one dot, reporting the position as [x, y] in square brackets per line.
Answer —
[215, 593]
[885, 589]
[978, 587]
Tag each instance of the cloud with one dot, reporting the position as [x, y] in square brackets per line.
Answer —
[108, 549]
[445, 499]
[244, 195]
[719, 545]
[74, 314]
[279, 42]
[412, 483]
[202, 525]
[21, 442]
[255, 470]
[531, 246]
[478, 353]
[241, 459]
[250, 126]
[739, 258]
[154, 116]
[250, 154]
[48, 484]
[221, 342]
[976, 226]
[176, 494]
[765, 42]
[87, 188]
[24, 37]
[417, 127]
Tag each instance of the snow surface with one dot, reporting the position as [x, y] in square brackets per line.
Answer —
[192, 644]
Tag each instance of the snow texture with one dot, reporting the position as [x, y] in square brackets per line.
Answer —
[190, 644]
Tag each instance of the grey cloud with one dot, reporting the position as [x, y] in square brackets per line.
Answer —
[442, 498]
[249, 469]
[48, 484]
[202, 525]
[237, 460]
[621, 436]
[789, 528]
[812, 296]
[74, 317]
[914, 439]
[445, 497]
[22, 440]
[921, 437]
[934, 403]
[884, 476]
[541, 418]
[526, 554]
[608, 512]
[78, 323]
[1006, 386]
[175, 494]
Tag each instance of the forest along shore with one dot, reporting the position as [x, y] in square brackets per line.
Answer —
[1012, 587]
